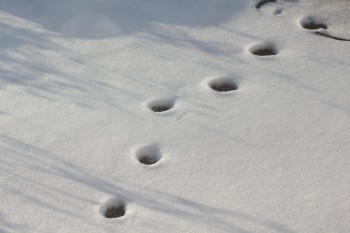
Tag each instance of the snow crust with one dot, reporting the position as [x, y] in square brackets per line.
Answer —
[77, 81]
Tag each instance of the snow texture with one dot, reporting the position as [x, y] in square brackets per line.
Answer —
[268, 153]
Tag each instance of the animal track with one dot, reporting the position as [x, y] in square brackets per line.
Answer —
[263, 2]
[265, 49]
[148, 155]
[113, 208]
[312, 23]
[161, 105]
[223, 84]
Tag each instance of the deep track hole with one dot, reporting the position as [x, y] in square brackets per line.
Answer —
[223, 85]
[161, 105]
[311, 23]
[160, 108]
[114, 211]
[148, 159]
[148, 155]
[113, 208]
[263, 50]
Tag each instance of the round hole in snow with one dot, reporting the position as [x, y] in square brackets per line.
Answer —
[148, 155]
[115, 211]
[160, 108]
[113, 208]
[148, 159]
[223, 85]
[161, 105]
[265, 49]
[311, 23]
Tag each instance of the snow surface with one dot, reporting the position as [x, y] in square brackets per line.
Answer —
[78, 79]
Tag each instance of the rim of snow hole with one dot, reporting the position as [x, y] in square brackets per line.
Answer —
[113, 208]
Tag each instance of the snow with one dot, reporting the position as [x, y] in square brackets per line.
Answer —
[78, 80]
